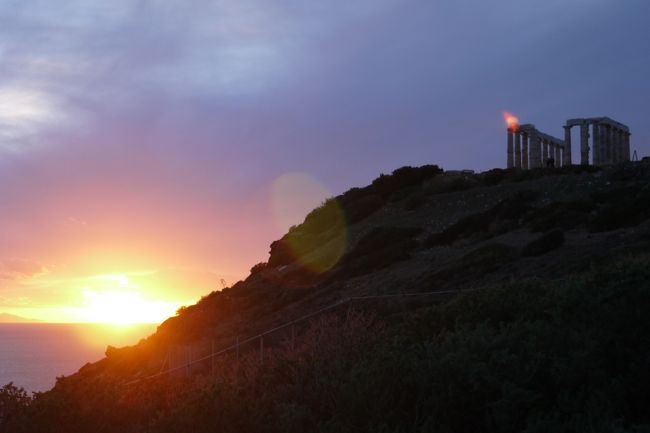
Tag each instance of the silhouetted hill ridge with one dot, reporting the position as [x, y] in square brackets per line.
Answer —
[554, 249]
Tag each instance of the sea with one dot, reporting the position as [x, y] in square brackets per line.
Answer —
[33, 355]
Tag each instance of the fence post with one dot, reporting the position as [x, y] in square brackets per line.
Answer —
[166, 362]
[212, 357]
[237, 361]
[188, 360]
[261, 349]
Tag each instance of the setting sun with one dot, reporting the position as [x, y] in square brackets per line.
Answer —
[123, 308]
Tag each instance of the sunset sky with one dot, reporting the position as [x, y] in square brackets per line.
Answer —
[150, 149]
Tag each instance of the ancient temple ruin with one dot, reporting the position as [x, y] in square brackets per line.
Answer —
[530, 148]
[610, 140]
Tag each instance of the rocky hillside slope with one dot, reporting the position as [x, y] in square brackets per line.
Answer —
[421, 230]
[418, 230]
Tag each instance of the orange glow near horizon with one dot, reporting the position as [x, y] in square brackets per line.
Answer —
[121, 260]
[512, 121]
[120, 299]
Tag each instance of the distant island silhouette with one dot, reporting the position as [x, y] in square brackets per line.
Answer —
[12, 318]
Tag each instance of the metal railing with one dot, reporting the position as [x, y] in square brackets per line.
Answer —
[186, 366]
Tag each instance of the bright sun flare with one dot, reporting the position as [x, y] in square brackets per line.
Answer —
[122, 304]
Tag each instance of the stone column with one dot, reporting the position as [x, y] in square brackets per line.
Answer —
[601, 144]
[518, 154]
[511, 161]
[566, 152]
[626, 146]
[537, 141]
[616, 146]
[597, 145]
[584, 144]
[612, 145]
[599, 154]
[608, 144]
[524, 150]
[544, 152]
[604, 136]
[621, 146]
[558, 155]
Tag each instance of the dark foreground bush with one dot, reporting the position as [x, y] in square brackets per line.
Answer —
[511, 209]
[560, 215]
[404, 177]
[545, 243]
[529, 358]
[380, 247]
[357, 210]
[470, 268]
[627, 213]
[625, 206]
[14, 402]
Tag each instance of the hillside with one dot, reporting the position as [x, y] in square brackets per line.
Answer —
[550, 334]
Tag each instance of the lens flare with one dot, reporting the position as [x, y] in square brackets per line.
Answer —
[320, 242]
[294, 195]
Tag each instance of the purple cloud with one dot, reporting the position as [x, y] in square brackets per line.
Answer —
[134, 127]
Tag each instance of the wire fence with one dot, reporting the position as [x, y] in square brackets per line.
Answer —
[200, 357]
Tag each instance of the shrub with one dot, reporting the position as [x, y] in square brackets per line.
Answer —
[560, 215]
[259, 268]
[379, 248]
[462, 228]
[414, 202]
[476, 263]
[361, 208]
[616, 195]
[509, 209]
[494, 176]
[281, 253]
[538, 358]
[528, 357]
[403, 177]
[14, 402]
[320, 219]
[460, 184]
[622, 212]
[545, 243]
